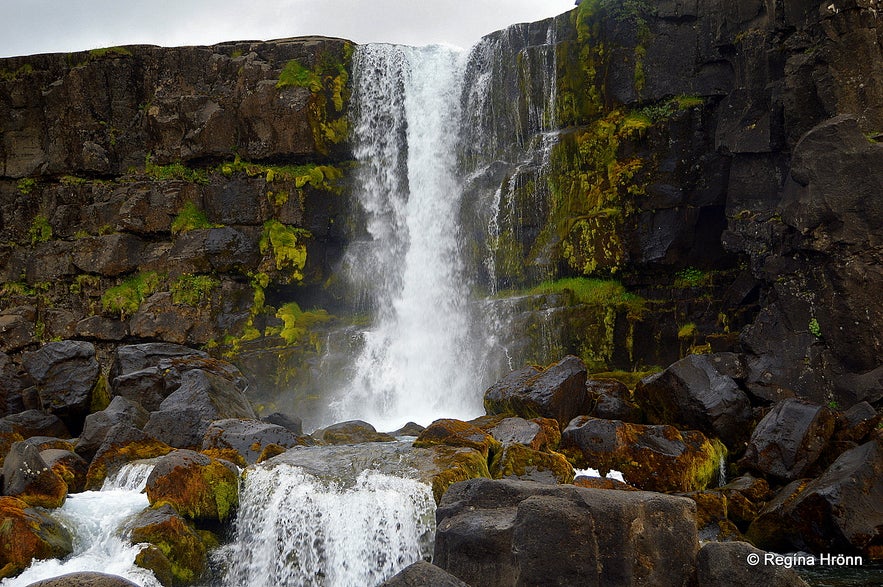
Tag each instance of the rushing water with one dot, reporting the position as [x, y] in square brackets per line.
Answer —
[294, 529]
[95, 520]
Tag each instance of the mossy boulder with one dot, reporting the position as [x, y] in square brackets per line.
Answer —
[27, 534]
[653, 458]
[27, 477]
[516, 461]
[196, 486]
[68, 465]
[537, 434]
[248, 438]
[85, 579]
[602, 483]
[454, 465]
[122, 444]
[457, 433]
[712, 515]
[353, 432]
[177, 553]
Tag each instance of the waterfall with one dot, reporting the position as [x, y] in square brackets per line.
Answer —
[421, 358]
[95, 519]
[295, 529]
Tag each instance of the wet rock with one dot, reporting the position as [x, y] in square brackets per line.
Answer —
[177, 555]
[196, 486]
[421, 574]
[27, 477]
[85, 579]
[37, 423]
[110, 255]
[28, 534]
[712, 516]
[613, 401]
[857, 423]
[353, 432]
[120, 411]
[517, 461]
[500, 532]
[602, 483]
[557, 392]
[182, 428]
[724, 563]
[537, 434]
[457, 433]
[693, 394]
[789, 439]
[653, 458]
[837, 512]
[292, 423]
[65, 373]
[409, 429]
[148, 387]
[248, 438]
[68, 465]
[122, 444]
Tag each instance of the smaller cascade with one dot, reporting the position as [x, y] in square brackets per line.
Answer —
[95, 519]
[296, 529]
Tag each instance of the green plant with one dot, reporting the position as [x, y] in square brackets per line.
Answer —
[833, 405]
[191, 218]
[688, 330]
[40, 230]
[126, 297]
[26, 185]
[295, 74]
[599, 292]
[9, 76]
[173, 171]
[72, 180]
[814, 328]
[690, 277]
[193, 290]
[284, 244]
[109, 52]
[297, 323]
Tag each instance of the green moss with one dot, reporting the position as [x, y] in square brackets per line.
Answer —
[628, 378]
[285, 245]
[173, 171]
[126, 298]
[814, 328]
[84, 283]
[193, 290]
[691, 277]
[26, 185]
[298, 324]
[40, 230]
[22, 72]
[295, 74]
[687, 331]
[100, 397]
[592, 291]
[109, 52]
[191, 218]
[72, 180]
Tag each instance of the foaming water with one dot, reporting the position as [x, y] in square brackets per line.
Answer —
[421, 358]
[95, 520]
[294, 529]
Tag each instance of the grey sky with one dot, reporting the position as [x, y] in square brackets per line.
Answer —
[45, 26]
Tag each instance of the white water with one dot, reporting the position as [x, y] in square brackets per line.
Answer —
[94, 519]
[294, 529]
[420, 360]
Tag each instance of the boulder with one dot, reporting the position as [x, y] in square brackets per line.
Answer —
[182, 428]
[292, 423]
[37, 423]
[28, 534]
[42, 443]
[16, 333]
[27, 477]
[521, 533]
[613, 401]
[457, 433]
[837, 512]
[353, 432]
[693, 394]
[146, 387]
[247, 437]
[653, 458]
[8, 437]
[558, 392]
[85, 579]
[13, 381]
[137, 357]
[196, 486]
[422, 574]
[517, 461]
[120, 411]
[68, 465]
[122, 444]
[537, 434]
[176, 553]
[212, 396]
[409, 429]
[65, 373]
[602, 483]
[857, 423]
[789, 439]
[725, 563]
[712, 515]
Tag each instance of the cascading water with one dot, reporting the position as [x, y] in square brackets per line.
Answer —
[420, 360]
[295, 529]
[95, 520]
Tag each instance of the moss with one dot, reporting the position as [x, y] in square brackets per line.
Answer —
[688, 330]
[284, 244]
[198, 492]
[456, 465]
[193, 290]
[118, 455]
[295, 74]
[191, 218]
[100, 397]
[691, 277]
[298, 324]
[173, 171]
[601, 292]
[109, 52]
[22, 72]
[182, 550]
[457, 433]
[26, 535]
[25, 186]
[125, 298]
[40, 231]
[517, 460]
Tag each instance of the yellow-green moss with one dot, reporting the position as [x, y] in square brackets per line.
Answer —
[193, 290]
[456, 465]
[100, 397]
[298, 324]
[40, 231]
[183, 552]
[126, 298]
[285, 245]
[191, 218]
[517, 460]
[173, 171]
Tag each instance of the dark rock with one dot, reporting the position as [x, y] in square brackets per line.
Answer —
[147, 387]
[558, 392]
[28, 534]
[422, 574]
[789, 439]
[196, 486]
[613, 401]
[16, 333]
[120, 411]
[102, 328]
[247, 437]
[214, 250]
[131, 358]
[8, 437]
[292, 423]
[122, 444]
[517, 461]
[37, 423]
[693, 394]
[13, 381]
[723, 563]
[857, 423]
[602, 483]
[42, 443]
[653, 458]
[530, 433]
[68, 465]
[110, 255]
[458, 433]
[353, 432]
[500, 532]
[409, 429]
[85, 579]
[65, 374]
[210, 395]
[159, 317]
[179, 555]
[27, 477]
[179, 428]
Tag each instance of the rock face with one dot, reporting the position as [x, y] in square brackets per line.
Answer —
[522, 533]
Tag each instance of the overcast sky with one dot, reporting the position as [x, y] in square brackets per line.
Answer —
[46, 26]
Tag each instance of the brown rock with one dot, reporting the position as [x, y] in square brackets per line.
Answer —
[27, 534]
[458, 433]
[196, 486]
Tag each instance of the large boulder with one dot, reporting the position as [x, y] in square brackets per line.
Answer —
[182, 428]
[196, 486]
[693, 394]
[558, 392]
[85, 579]
[422, 574]
[65, 373]
[122, 444]
[457, 433]
[353, 432]
[654, 458]
[521, 533]
[538, 434]
[120, 411]
[613, 401]
[27, 477]
[789, 439]
[517, 461]
[248, 438]
[68, 465]
[28, 534]
[176, 553]
[728, 563]
[37, 423]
